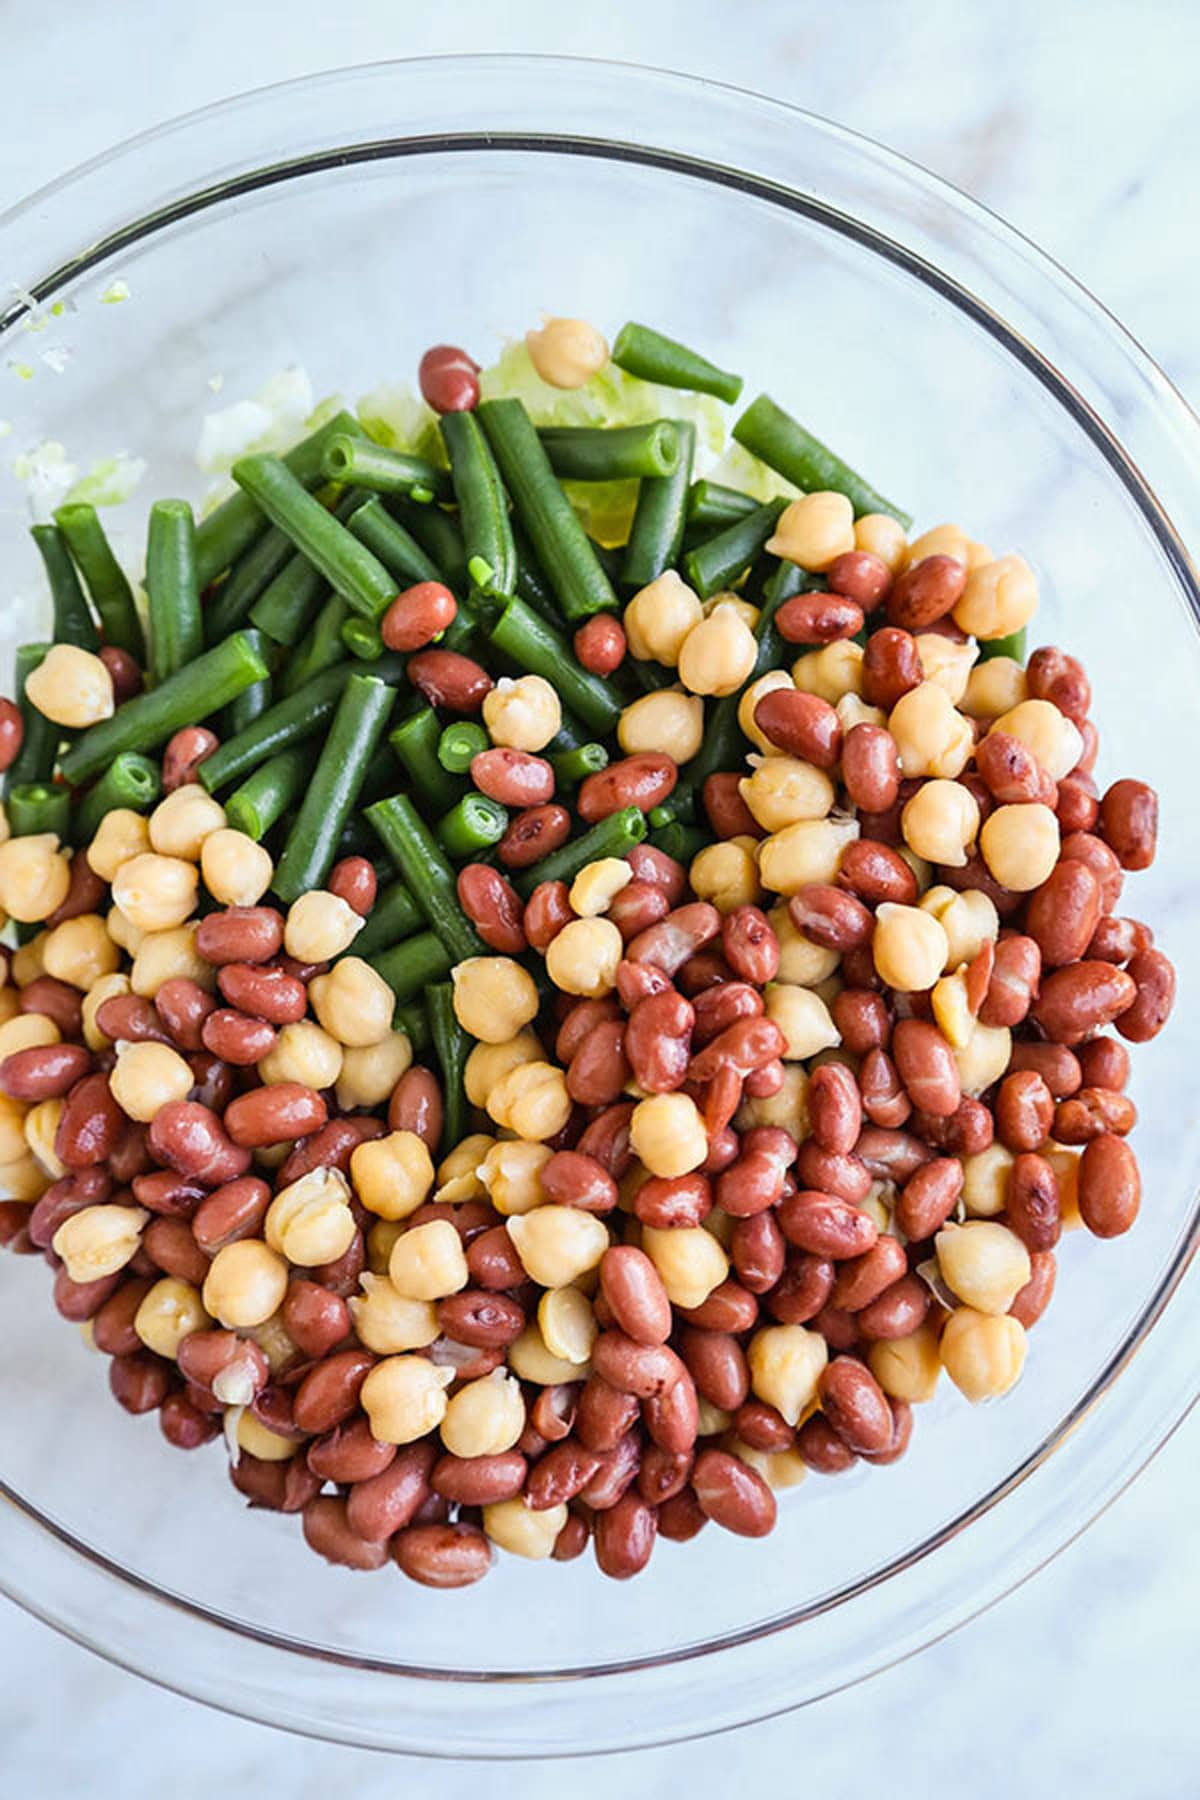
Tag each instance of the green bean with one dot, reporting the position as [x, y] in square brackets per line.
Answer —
[287, 607]
[570, 735]
[651, 676]
[73, 622]
[270, 792]
[656, 536]
[784, 445]
[397, 550]
[357, 727]
[532, 586]
[438, 535]
[384, 471]
[681, 841]
[362, 638]
[613, 836]
[415, 741]
[474, 824]
[411, 967]
[711, 506]
[346, 563]
[321, 649]
[185, 698]
[231, 528]
[395, 915]
[291, 720]
[533, 644]
[646, 353]
[130, 781]
[459, 743]
[36, 806]
[107, 583]
[453, 1046]
[250, 577]
[422, 863]
[1013, 645]
[413, 1020]
[573, 766]
[718, 563]
[176, 628]
[482, 501]
[612, 452]
[252, 702]
[559, 540]
[40, 738]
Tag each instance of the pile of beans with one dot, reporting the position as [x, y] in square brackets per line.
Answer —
[746, 1145]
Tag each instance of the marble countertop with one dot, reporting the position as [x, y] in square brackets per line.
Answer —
[1076, 121]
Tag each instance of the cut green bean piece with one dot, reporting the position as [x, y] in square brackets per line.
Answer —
[785, 446]
[612, 452]
[395, 915]
[656, 535]
[411, 967]
[291, 720]
[231, 604]
[613, 836]
[681, 841]
[73, 621]
[438, 536]
[287, 607]
[312, 843]
[321, 648]
[560, 543]
[532, 586]
[453, 1046]
[176, 628]
[719, 562]
[422, 863]
[415, 741]
[370, 465]
[459, 743]
[413, 1020]
[346, 563]
[131, 781]
[270, 792]
[533, 644]
[107, 582]
[254, 701]
[646, 353]
[711, 507]
[40, 738]
[185, 698]
[34, 807]
[1013, 645]
[573, 766]
[471, 826]
[482, 502]
[362, 638]
[398, 551]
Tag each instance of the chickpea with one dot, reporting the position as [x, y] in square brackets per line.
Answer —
[726, 874]
[71, 687]
[148, 1077]
[922, 870]
[12, 1130]
[162, 955]
[41, 1129]
[659, 618]
[392, 1175]
[689, 1260]
[803, 1018]
[832, 672]
[521, 1531]
[1065, 1164]
[272, 1339]
[801, 962]
[809, 851]
[80, 951]
[814, 530]
[852, 711]
[427, 1262]
[946, 663]
[494, 997]
[567, 352]
[598, 883]
[932, 738]
[969, 920]
[485, 1417]
[908, 1368]
[883, 537]
[778, 1468]
[1053, 738]
[983, 1355]
[940, 822]
[99, 1240]
[182, 821]
[156, 893]
[667, 721]
[27, 964]
[879, 1202]
[557, 1244]
[984, 1263]
[718, 655]
[490, 1063]
[303, 1052]
[257, 1439]
[667, 1133]
[25, 1179]
[387, 1322]
[353, 1003]
[985, 1181]
[128, 936]
[983, 1058]
[511, 1174]
[785, 1366]
[171, 1311]
[1020, 845]
[245, 1284]
[531, 1100]
[458, 1175]
[995, 687]
[784, 790]
[522, 712]
[310, 1221]
[319, 925]
[909, 947]
[568, 1324]
[404, 1398]
[236, 870]
[940, 540]
[1000, 597]
[746, 612]
[121, 835]
[382, 1238]
[34, 878]
[952, 1010]
[530, 1360]
[27, 1031]
[712, 1420]
[774, 681]
[583, 958]
[788, 1108]
[370, 1072]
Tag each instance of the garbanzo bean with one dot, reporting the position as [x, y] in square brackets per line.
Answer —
[788, 1108]
[774, 681]
[404, 1398]
[458, 1175]
[382, 1238]
[784, 790]
[726, 874]
[156, 893]
[945, 662]
[994, 688]
[689, 1260]
[427, 1262]
[883, 537]
[983, 1355]
[532, 1100]
[245, 1284]
[511, 1175]
[236, 870]
[1020, 845]
[72, 687]
[832, 672]
[746, 611]
[984, 1263]
[489, 1063]
[522, 713]
[392, 1175]
[807, 852]
[909, 947]
[171, 1311]
[180, 823]
[718, 655]
[1000, 597]
[785, 1365]
[852, 711]
[303, 1052]
[598, 883]
[34, 878]
[523, 1532]
[582, 959]
[370, 1072]
[567, 352]
[25, 1179]
[388, 1323]
[666, 722]
[952, 1009]
[557, 1244]
[162, 955]
[659, 618]
[80, 951]
[27, 1031]
[257, 1439]
[801, 962]
[985, 1181]
[310, 1221]
[121, 835]
[530, 1360]
[568, 1324]
[940, 822]
[778, 1468]
[494, 997]
[99, 1240]
[814, 530]
[969, 920]
[41, 1129]
[803, 1018]
[485, 1417]
[122, 931]
[932, 738]
[320, 926]
[668, 1135]
[353, 1003]
[12, 1129]
[1053, 738]
[148, 1077]
[983, 1058]
[907, 1368]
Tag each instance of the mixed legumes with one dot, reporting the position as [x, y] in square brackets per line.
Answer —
[540, 1040]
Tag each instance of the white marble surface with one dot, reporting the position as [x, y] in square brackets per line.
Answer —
[1077, 121]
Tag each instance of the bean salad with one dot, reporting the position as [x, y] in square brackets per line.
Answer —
[541, 1036]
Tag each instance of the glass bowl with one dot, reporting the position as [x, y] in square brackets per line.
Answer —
[343, 223]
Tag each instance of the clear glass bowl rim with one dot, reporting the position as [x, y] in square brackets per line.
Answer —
[1013, 291]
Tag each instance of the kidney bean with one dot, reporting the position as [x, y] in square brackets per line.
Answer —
[607, 1139]
[442, 1556]
[212, 1081]
[889, 1155]
[617, 1472]
[758, 1252]
[278, 1486]
[579, 1019]
[1016, 975]
[1063, 913]
[470, 1364]
[1129, 822]
[861, 576]
[328, 1394]
[1075, 1001]
[112, 1324]
[450, 680]
[979, 975]
[1084, 846]
[635, 1294]
[354, 881]
[165, 1192]
[418, 615]
[1118, 940]
[719, 1007]
[272, 1406]
[139, 1382]
[1024, 1111]
[86, 893]
[58, 1001]
[80, 1300]
[663, 1473]
[1058, 1067]
[844, 1176]
[862, 1279]
[974, 873]
[183, 1006]
[708, 968]
[63, 1198]
[672, 1418]
[599, 1069]
[831, 917]
[669, 944]
[232, 1212]
[547, 910]
[680, 1518]
[717, 1364]
[1092, 1111]
[862, 1019]
[327, 1530]
[730, 1307]
[639, 905]
[1032, 1208]
[493, 1263]
[1010, 771]
[1153, 976]
[45, 1072]
[513, 777]
[742, 1047]
[826, 1225]
[600, 644]
[818, 618]
[928, 1197]
[871, 767]
[1091, 748]
[802, 1290]
[926, 1066]
[478, 1317]
[644, 781]
[90, 1125]
[822, 1449]
[533, 834]
[657, 1041]
[479, 1480]
[732, 1494]
[492, 905]
[349, 1453]
[926, 592]
[902, 1430]
[834, 1108]
[191, 1140]
[316, 1320]
[1053, 675]
[241, 934]
[876, 873]
[342, 1275]
[388, 1502]
[268, 992]
[235, 1037]
[561, 1474]
[623, 1537]
[449, 381]
[750, 945]
[855, 1406]
[553, 1412]
[209, 1357]
[604, 1415]
[659, 869]
[183, 755]
[891, 666]
[725, 808]
[571, 1178]
[674, 1202]
[884, 1100]
[1077, 807]
[897, 1312]
[800, 725]
[1103, 1063]
[12, 733]
[632, 1367]
[275, 1115]
[129, 1018]
[170, 1244]
[1033, 1299]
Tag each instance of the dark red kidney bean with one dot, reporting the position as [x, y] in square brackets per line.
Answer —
[349, 1453]
[183, 1006]
[183, 755]
[1153, 976]
[639, 905]
[12, 733]
[235, 1037]
[275, 1115]
[668, 945]
[863, 1020]
[44, 1072]
[572, 1179]
[725, 808]
[680, 1518]
[86, 893]
[861, 576]
[889, 1155]
[513, 777]
[212, 1081]
[316, 1320]
[871, 767]
[655, 866]
[470, 1365]
[1063, 913]
[191, 1140]
[1103, 1063]
[635, 1294]
[663, 1473]
[241, 934]
[139, 1382]
[672, 1418]
[599, 1069]
[825, 1225]
[112, 1324]
[926, 592]
[342, 1275]
[561, 1474]
[1091, 1111]
[978, 977]
[386, 1503]
[278, 1486]
[416, 1105]
[1032, 1208]
[90, 1125]
[448, 377]
[1118, 940]
[876, 872]
[1009, 769]
[617, 1472]
[493, 1263]
[754, 1182]
[1033, 1299]
[481, 1318]
[1084, 846]
[847, 1177]
[600, 644]
[1129, 822]
[926, 1066]
[657, 1041]
[1053, 675]
[822, 1449]
[493, 907]
[674, 1202]
[891, 666]
[1110, 1186]
[717, 1008]
[1058, 1067]
[170, 1244]
[553, 1412]
[834, 1108]
[974, 873]
[418, 616]
[354, 881]
[732, 1494]
[831, 917]
[604, 1415]
[547, 910]
[69, 1195]
[897, 1312]
[59, 1001]
[534, 834]
[80, 1300]
[233, 1212]
[758, 1252]
[800, 725]
[838, 1328]
[763, 1427]
[442, 1556]
[928, 1197]
[750, 945]
[329, 1393]
[168, 1193]
[129, 1017]
[327, 1530]
[331, 1147]
[644, 781]
[267, 992]
[1075, 1001]
[865, 1277]
[1024, 1111]
[855, 1405]
[883, 1098]
[632, 1367]
[450, 680]
[623, 1537]
[902, 1430]
[802, 1290]
[478, 1480]
[1077, 807]
[717, 1364]
[1091, 748]
[607, 1139]
[742, 1048]
[579, 1021]
[730, 1307]
[818, 618]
